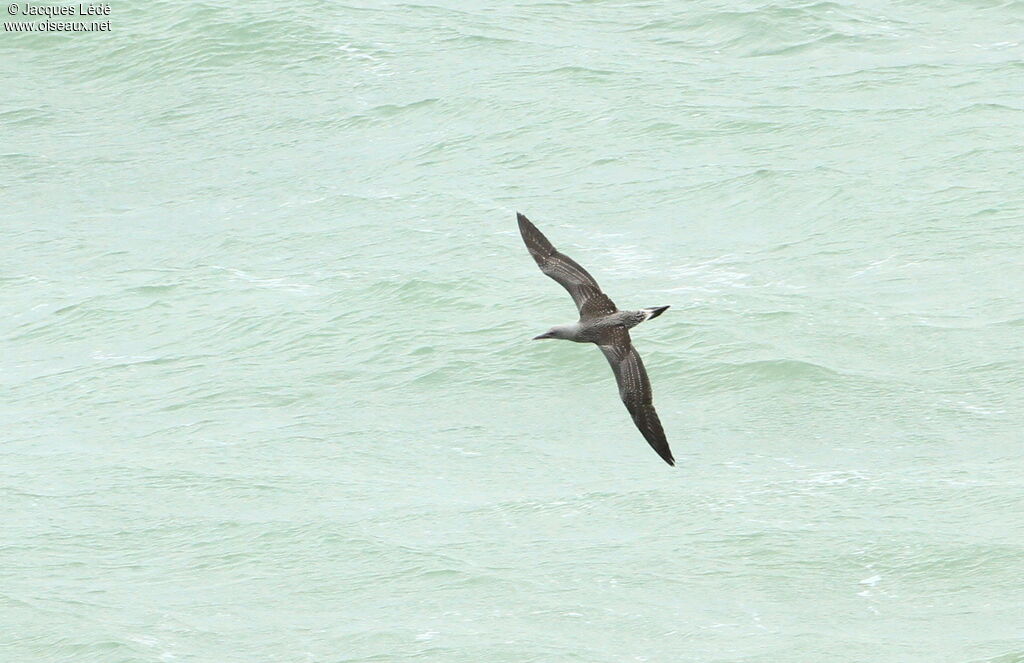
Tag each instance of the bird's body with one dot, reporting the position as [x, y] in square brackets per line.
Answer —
[595, 330]
[602, 323]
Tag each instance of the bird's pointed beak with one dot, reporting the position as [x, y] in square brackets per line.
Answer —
[539, 336]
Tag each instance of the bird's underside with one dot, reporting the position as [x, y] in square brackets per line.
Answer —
[603, 324]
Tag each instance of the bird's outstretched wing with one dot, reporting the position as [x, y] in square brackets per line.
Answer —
[635, 388]
[585, 291]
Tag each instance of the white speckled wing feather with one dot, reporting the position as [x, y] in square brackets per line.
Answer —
[635, 388]
[590, 301]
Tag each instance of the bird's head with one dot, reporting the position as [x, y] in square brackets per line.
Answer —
[558, 331]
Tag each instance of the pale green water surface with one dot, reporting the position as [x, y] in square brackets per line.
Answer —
[268, 393]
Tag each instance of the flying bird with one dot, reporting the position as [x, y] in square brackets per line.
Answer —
[602, 323]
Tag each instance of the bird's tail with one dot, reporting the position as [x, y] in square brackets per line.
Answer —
[654, 311]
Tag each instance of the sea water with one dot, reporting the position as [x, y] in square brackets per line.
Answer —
[269, 393]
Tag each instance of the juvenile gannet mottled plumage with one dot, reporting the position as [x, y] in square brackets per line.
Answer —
[602, 323]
